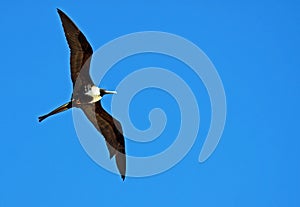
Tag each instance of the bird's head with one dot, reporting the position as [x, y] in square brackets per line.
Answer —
[104, 92]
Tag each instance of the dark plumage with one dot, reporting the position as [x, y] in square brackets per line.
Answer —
[87, 96]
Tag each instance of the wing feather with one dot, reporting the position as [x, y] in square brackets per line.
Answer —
[111, 129]
[81, 50]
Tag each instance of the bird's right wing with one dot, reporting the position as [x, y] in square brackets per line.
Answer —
[111, 129]
[81, 50]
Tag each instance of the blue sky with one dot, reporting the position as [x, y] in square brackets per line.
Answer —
[254, 46]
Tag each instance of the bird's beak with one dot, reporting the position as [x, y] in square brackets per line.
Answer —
[110, 92]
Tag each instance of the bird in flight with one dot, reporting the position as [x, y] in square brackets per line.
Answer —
[87, 96]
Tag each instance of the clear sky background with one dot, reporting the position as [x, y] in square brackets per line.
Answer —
[253, 44]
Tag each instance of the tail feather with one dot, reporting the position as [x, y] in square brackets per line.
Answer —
[57, 110]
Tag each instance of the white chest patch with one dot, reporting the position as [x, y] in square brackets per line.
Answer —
[94, 92]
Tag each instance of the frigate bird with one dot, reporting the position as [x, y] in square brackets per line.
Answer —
[87, 96]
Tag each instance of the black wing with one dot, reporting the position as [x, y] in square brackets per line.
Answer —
[81, 51]
[111, 129]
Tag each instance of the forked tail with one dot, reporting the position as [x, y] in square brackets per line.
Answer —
[58, 110]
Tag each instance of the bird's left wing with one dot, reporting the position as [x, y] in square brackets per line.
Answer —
[111, 129]
[81, 51]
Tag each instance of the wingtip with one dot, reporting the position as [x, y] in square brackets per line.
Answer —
[121, 164]
[59, 11]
